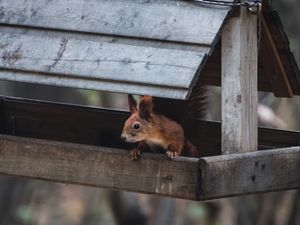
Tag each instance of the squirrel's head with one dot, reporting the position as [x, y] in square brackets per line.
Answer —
[139, 125]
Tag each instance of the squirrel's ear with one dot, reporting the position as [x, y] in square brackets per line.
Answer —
[146, 107]
[132, 104]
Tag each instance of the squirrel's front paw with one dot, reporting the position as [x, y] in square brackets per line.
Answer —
[171, 154]
[135, 154]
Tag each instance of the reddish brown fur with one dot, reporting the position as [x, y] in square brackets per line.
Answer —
[154, 130]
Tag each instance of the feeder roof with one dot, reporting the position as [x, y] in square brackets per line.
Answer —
[154, 47]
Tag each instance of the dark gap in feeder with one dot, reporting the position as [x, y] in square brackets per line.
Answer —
[103, 127]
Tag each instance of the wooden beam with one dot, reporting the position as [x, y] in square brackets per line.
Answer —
[180, 21]
[212, 70]
[271, 58]
[68, 58]
[239, 84]
[235, 174]
[281, 41]
[97, 166]
[188, 178]
[63, 61]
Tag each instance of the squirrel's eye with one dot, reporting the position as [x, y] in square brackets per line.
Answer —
[136, 126]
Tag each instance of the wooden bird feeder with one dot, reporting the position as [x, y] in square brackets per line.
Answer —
[158, 48]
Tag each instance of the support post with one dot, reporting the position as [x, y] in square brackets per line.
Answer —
[239, 83]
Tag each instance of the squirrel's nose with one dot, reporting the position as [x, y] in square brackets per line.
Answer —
[123, 137]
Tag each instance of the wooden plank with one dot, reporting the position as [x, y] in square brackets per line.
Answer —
[281, 42]
[274, 138]
[98, 126]
[276, 72]
[235, 174]
[212, 177]
[181, 21]
[97, 166]
[239, 84]
[99, 66]
[94, 84]
[211, 71]
[267, 68]
[102, 38]
[100, 61]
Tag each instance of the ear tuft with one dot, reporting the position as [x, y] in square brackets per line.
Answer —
[132, 104]
[146, 108]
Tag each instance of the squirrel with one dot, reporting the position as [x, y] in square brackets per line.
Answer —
[154, 131]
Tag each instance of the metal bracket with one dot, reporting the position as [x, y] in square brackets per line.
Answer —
[254, 6]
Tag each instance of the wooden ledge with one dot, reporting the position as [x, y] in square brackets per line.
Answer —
[253, 172]
[188, 178]
[97, 166]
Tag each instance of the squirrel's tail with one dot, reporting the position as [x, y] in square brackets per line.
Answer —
[190, 150]
[195, 110]
[185, 113]
[196, 104]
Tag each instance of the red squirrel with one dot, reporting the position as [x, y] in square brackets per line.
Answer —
[154, 131]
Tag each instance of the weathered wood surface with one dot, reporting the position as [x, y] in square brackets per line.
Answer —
[239, 83]
[102, 127]
[99, 65]
[229, 175]
[214, 177]
[269, 78]
[281, 42]
[212, 70]
[266, 67]
[144, 48]
[102, 38]
[97, 166]
[181, 21]
[105, 61]
[37, 15]
[276, 72]
[59, 80]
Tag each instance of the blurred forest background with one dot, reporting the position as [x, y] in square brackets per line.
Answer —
[32, 202]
